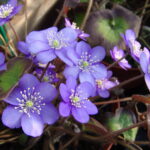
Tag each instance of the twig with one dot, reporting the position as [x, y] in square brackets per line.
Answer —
[144, 9]
[114, 101]
[60, 14]
[123, 143]
[100, 138]
[87, 14]
[69, 142]
[128, 81]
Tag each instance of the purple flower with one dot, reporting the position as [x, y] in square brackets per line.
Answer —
[7, 11]
[134, 46]
[80, 33]
[23, 48]
[117, 54]
[49, 76]
[145, 65]
[86, 63]
[104, 84]
[75, 100]
[30, 106]
[49, 43]
[2, 62]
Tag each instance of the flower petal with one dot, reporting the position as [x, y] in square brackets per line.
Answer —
[103, 93]
[130, 35]
[147, 80]
[71, 82]
[71, 71]
[85, 90]
[16, 10]
[86, 76]
[144, 62]
[33, 125]
[82, 47]
[12, 2]
[90, 107]
[39, 35]
[69, 34]
[47, 91]
[23, 47]
[64, 92]
[109, 84]
[45, 56]
[97, 54]
[49, 114]
[62, 54]
[3, 67]
[72, 55]
[80, 115]
[38, 46]
[11, 117]
[13, 96]
[64, 109]
[99, 71]
[28, 81]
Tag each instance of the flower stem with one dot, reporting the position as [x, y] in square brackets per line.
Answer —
[60, 14]
[87, 14]
[41, 77]
[15, 33]
[128, 81]
[116, 62]
[114, 101]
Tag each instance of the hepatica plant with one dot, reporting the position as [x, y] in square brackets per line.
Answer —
[57, 79]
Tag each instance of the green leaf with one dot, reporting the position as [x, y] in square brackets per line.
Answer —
[122, 120]
[111, 28]
[84, 1]
[15, 69]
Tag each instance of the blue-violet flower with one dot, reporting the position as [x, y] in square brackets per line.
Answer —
[104, 84]
[50, 75]
[30, 106]
[134, 46]
[86, 63]
[117, 54]
[49, 43]
[75, 100]
[80, 33]
[7, 11]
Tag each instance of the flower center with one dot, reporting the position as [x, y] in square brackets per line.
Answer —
[100, 84]
[118, 55]
[56, 43]
[5, 10]
[85, 64]
[56, 40]
[75, 99]
[30, 101]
